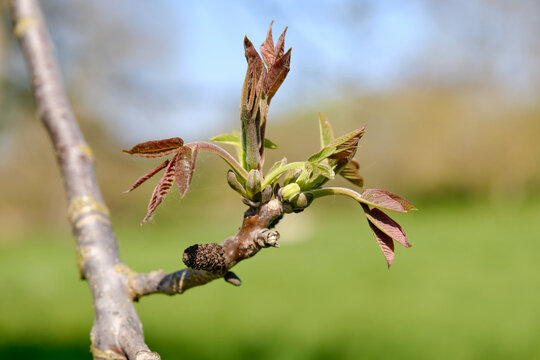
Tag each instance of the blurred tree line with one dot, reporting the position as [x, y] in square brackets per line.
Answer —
[461, 118]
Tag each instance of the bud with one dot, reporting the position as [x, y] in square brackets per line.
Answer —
[290, 191]
[302, 201]
[253, 183]
[267, 194]
[233, 182]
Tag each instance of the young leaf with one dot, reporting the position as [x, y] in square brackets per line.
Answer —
[156, 148]
[327, 133]
[269, 144]
[385, 243]
[231, 139]
[387, 225]
[406, 205]
[350, 172]
[234, 140]
[385, 200]
[345, 148]
[322, 154]
[278, 164]
[324, 170]
[185, 165]
[161, 189]
[276, 75]
[147, 176]
[267, 47]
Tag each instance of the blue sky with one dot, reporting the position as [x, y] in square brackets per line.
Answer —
[184, 65]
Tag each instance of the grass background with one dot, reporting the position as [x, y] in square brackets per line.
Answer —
[468, 289]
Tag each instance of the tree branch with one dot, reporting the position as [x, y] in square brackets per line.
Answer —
[117, 331]
[252, 236]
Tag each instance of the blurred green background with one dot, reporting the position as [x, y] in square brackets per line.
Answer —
[449, 92]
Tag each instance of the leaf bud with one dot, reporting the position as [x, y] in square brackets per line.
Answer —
[302, 201]
[290, 191]
[253, 183]
[233, 182]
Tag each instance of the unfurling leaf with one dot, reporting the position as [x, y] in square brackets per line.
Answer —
[385, 243]
[321, 169]
[278, 164]
[276, 75]
[345, 149]
[387, 225]
[156, 148]
[147, 176]
[234, 140]
[162, 188]
[231, 139]
[327, 133]
[323, 154]
[270, 53]
[350, 172]
[269, 144]
[292, 175]
[185, 165]
[385, 200]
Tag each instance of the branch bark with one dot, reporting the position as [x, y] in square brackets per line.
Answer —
[117, 331]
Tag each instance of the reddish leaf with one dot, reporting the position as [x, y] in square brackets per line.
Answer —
[350, 172]
[277, 74]
[346, 148]
[254, 73]
[406, 205]
[381, 199]
[156, 148]
[267, 47]
[385, 243]
[185, 165]
[388, 226]
[280, 45]
[147, 176]
[162, 188]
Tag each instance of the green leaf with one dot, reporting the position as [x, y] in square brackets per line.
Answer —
[269, 144]
[327, 133]
[231, 139]
[234, 140]
[324, 170]
[278, 164]
[323, 154]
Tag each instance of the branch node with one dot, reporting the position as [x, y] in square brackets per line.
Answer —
[267, 237]
[23, 24]
[81, 205]
[147, 355]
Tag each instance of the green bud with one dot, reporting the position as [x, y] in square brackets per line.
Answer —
[302, 201]
[253, 183]
[235, 184]
[290, 191]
